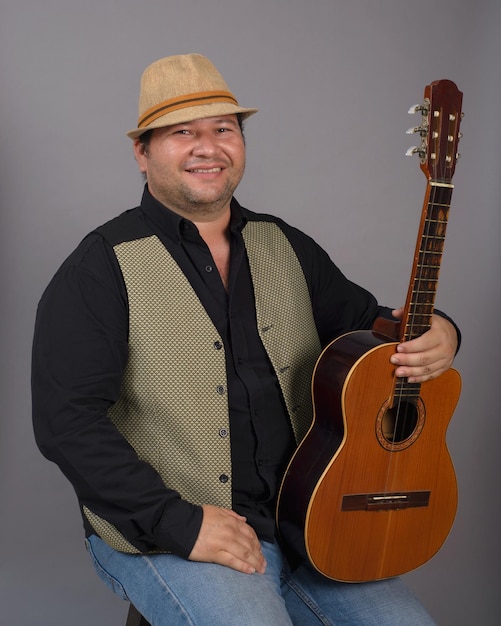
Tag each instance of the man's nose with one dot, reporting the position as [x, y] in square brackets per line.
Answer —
[205, 144]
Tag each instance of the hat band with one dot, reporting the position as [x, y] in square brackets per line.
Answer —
[182, 102]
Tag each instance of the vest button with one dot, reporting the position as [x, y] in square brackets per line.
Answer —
[223, 478]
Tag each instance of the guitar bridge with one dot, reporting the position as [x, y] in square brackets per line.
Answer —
[385, 501]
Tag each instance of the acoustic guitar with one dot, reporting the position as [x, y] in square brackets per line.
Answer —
[371, 491]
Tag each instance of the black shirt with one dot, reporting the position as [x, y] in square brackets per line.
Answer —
[80, 351]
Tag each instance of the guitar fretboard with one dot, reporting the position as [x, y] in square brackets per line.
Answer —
[428, 257]
[424, 277]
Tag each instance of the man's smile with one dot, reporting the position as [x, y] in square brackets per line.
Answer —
[200, 170]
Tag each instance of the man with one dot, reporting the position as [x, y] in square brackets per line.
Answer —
[172, 362]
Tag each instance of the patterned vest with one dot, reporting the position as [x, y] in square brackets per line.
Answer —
[173, 405]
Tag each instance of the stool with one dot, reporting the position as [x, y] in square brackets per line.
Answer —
[134, 618]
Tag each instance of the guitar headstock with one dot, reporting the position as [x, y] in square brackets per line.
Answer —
[439, 130]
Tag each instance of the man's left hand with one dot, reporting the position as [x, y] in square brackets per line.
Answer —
[427, 356]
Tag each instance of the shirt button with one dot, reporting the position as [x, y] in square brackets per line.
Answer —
[218, 345]
[223, 432]
[208, 268]
[223, 478]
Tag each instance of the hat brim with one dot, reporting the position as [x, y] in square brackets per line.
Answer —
[190, 114]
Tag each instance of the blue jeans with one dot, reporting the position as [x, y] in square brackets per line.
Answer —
[171, 591]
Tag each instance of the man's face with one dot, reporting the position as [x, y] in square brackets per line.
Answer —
[194, 168]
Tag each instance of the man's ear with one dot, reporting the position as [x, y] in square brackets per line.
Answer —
[140, 154]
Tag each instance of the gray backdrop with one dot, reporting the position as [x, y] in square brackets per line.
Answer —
[333, 80]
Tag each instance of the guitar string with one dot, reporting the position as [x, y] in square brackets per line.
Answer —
[396, 402]
[420, 279]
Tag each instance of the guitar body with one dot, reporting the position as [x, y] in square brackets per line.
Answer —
[380, 508]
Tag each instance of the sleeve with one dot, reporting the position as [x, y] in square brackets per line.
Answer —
[339, 305]
[79, 354]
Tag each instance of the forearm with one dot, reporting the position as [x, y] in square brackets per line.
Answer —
[116, 485]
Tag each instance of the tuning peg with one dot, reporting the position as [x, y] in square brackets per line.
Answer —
[419, 150]
[416, 108]
[417, 129]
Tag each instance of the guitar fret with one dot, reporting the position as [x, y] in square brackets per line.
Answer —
[423, 304]
[409, 393]
[416, 327]
[422, 296]
[440, 225]
[406, 389]
[435, 239]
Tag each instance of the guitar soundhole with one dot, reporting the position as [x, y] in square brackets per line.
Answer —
[399, 425]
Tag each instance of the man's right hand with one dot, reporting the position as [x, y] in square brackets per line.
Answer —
[227, 539]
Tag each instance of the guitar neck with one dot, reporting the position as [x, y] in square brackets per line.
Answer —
[439, 131]
[423, 283]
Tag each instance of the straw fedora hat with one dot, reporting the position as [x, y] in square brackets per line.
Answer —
[180, 89]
